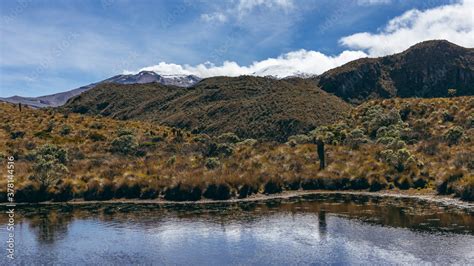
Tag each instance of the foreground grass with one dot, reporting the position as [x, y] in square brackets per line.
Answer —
[389, 144]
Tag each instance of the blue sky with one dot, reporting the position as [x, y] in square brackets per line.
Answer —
[53, 46]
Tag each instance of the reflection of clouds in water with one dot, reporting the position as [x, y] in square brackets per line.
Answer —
[287, 233]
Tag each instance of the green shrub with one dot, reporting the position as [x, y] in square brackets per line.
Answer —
[399, 159]
[94, 136]
[215, 150]
[355, 138]
[50, 165]
[228, 138]
[212, 163]
[248, 142]
[65, 130]
[17, 134]
[124, 144]
[447, 117]
[453, 135]
[299, 139]
[124, 131]
[96, 125]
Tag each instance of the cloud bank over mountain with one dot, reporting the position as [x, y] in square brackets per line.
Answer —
[450, 22]
[296, 62]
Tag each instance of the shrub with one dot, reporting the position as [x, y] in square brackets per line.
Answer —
[218, 192]
[359, 183]
[272, 187]
[29, 191]
[92, 190]
[65, 130]
[452, 92]
[215, 150]
[312, 184]
[298, 139]
[124, 131]
[149, 192]
[17, 134]
[355, 138]
[399, 159]
[334, 134]
[246, 190]
[50, 126]
[127, 188]
[453, 135]
[94, 136]
[124, 144]
[63, 191]
[445, 184]
[248, 142]
[465, 189]
[183, 192]
[212, 163]
[96, 125]
[228, 138]
[447, 117]
[50, 165]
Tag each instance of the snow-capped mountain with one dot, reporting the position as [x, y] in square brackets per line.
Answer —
[139, 78]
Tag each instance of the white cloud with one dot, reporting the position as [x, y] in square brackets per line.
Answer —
[242, 8]
[214, 17]
[454, 23]
[247, 5]
[301, 61]
[373, 2]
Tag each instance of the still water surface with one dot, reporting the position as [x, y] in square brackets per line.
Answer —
[309, 230]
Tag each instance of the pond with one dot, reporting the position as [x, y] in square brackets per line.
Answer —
[335, 229]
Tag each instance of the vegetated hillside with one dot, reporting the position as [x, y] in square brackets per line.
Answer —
[395, 144]
[142, 77]
[251, 107]
[427, 69]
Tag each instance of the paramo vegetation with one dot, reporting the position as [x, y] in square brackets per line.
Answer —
[383, 144]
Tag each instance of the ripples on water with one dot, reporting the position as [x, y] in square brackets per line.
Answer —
[311, 229]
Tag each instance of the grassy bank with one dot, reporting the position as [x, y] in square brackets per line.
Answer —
[390, 144]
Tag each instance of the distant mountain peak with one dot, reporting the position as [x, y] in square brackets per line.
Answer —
[141, 77]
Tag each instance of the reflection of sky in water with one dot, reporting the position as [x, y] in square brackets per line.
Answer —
[282, 238]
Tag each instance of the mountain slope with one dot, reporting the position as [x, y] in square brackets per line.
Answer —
[251, 107]
[427, 69]
[58, 99]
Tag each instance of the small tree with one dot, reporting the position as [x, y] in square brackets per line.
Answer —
[452, 92]
[50, 165]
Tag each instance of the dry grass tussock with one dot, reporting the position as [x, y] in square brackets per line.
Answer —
[384, 144]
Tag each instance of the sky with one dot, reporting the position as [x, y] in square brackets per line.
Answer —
[52, 46]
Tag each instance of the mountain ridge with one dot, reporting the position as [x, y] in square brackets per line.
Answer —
[251, 107]
[427, 69]
[58, 99]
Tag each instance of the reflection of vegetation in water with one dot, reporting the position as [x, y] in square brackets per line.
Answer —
[50, 222]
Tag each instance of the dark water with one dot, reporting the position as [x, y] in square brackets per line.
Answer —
[308, 230]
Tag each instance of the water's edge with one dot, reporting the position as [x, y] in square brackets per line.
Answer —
[433, 198]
